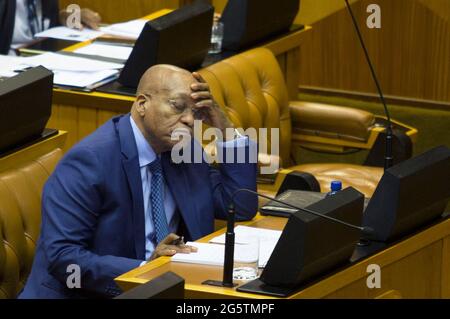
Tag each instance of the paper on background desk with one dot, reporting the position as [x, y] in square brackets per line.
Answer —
[54, 61]
[69, 71]
[65, 33]
[212, 253]
[8, 65]
[130, 29]
[110, 51]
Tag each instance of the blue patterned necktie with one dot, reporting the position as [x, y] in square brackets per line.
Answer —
[157, 200]
[33, 20]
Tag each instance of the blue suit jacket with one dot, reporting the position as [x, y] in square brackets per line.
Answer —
[93, 212]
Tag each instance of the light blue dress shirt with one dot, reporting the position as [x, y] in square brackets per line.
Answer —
[146, 156]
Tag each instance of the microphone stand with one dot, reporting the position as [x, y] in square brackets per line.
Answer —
[388, 155]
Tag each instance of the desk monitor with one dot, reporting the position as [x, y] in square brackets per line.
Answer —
[248, 22]
[180, 38]
[25, 107]
[410, 195]
[311, 246]
[166, 286]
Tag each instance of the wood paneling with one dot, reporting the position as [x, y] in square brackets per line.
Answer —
[77, 121]
[119, 10]
[411, 51]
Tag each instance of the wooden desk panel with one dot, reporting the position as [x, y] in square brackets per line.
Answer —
[416, 267]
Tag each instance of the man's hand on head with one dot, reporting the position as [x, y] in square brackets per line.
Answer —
[167, 248]
[211, 113]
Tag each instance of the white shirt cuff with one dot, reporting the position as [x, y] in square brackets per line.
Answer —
[240, 141]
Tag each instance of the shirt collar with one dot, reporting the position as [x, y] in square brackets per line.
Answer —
[145, 151]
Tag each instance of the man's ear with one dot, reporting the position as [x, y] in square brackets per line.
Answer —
[141, 104]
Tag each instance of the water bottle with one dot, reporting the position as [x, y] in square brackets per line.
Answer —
[216, 38]
[336, 186]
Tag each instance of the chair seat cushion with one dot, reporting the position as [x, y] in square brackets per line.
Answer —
[364, 178]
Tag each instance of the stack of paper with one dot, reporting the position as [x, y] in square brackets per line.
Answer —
[62, 62]
[120, 52]
[131, 29]
[212, 253]
[9, 65]
[65, 33]
[69, 71]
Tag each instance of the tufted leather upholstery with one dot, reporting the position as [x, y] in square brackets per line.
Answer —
[250, 88]
[20, 219]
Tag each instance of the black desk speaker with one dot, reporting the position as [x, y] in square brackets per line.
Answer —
[310, 245]
[167, 286]
[409, 195]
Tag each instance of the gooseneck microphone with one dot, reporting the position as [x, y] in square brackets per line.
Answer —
[388, 155]
[364, 230]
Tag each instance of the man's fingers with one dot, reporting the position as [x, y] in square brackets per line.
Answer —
[193, 249]
[201, 95]
[169, 239]
[90, 18]
[198, 77]
[200, 87]
[204, 104]
[167, 252]
[178, 249]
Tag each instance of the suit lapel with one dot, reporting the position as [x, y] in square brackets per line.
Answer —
[130, 163]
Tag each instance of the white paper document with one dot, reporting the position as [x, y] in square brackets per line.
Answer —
[212, 253]
[10, 64]
[61, 62]
[65, 33]
[131, 29]
[110, 51]
[82, 79]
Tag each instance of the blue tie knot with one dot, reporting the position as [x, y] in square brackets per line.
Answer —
[155, 166]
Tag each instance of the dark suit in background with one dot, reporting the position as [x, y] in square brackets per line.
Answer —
[50, 10]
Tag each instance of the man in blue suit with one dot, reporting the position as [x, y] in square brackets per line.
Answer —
[117, 198]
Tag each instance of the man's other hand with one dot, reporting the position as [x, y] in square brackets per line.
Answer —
[167, 248]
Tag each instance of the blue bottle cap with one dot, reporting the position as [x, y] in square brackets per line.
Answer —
[336, 186]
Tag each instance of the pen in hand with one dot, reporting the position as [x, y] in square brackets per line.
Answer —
[179, 241]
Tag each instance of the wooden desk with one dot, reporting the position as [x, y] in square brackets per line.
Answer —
[35, 150]
[81, 113]
[417, 267]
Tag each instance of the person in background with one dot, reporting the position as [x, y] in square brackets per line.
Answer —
[20, 20]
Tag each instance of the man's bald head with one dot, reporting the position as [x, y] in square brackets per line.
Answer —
[164, 77]
[163, 104]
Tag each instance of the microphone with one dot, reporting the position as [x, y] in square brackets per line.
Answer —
[388, 155]
[230, 236]
[364, 230]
